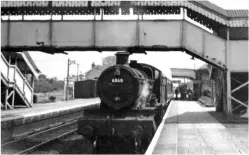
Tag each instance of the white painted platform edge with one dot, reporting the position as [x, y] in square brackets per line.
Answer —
[153, 143]
[36, 113]
[59, 109]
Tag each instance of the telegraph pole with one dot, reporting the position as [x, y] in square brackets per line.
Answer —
[68, 67]
[77, 72]
[68, 64]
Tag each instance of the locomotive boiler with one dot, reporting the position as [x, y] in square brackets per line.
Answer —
[134, 97]
[122, 86]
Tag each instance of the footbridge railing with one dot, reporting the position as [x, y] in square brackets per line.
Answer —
[13, 78]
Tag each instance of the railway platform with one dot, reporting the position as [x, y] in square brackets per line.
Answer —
[188, 128]
[21, 122]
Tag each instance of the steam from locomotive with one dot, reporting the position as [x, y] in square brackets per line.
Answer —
[145, 90]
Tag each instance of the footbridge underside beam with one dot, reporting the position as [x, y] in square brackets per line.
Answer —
[183, 73]
[57, 36]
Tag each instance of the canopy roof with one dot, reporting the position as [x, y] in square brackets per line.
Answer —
[43, 7]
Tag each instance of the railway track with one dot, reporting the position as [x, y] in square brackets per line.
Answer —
[32, 142]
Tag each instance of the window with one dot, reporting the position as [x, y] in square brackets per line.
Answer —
[156, 74]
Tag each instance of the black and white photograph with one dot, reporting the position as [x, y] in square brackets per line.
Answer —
[152, 77]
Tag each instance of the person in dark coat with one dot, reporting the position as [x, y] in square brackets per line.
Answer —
[176, 92]
[189, 94]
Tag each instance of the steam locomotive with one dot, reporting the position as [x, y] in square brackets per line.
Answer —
[134, 98]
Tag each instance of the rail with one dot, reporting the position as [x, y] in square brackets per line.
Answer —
[30, 143]
[14, 78]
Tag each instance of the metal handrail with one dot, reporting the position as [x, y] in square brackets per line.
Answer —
[18, 70]
[25, 80]
[20, 74]
[3, 58]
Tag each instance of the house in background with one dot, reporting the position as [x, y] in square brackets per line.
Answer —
[94, 72]
[18, 71]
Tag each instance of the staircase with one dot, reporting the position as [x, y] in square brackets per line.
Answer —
[14, 86]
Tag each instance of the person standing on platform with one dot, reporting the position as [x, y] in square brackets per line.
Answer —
[176, 93]
[189, 94]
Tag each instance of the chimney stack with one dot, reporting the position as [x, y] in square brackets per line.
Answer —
[122, 58]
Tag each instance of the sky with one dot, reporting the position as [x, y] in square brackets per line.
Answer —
[56, 65]
[232, 4]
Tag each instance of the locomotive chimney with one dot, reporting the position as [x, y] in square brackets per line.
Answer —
[122, 58]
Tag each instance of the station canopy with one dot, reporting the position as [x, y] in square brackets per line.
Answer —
[204, 12]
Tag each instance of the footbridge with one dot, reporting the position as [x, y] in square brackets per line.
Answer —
[183, 73]
[200, 28]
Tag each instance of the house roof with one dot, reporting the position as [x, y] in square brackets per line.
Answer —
[97, 67]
